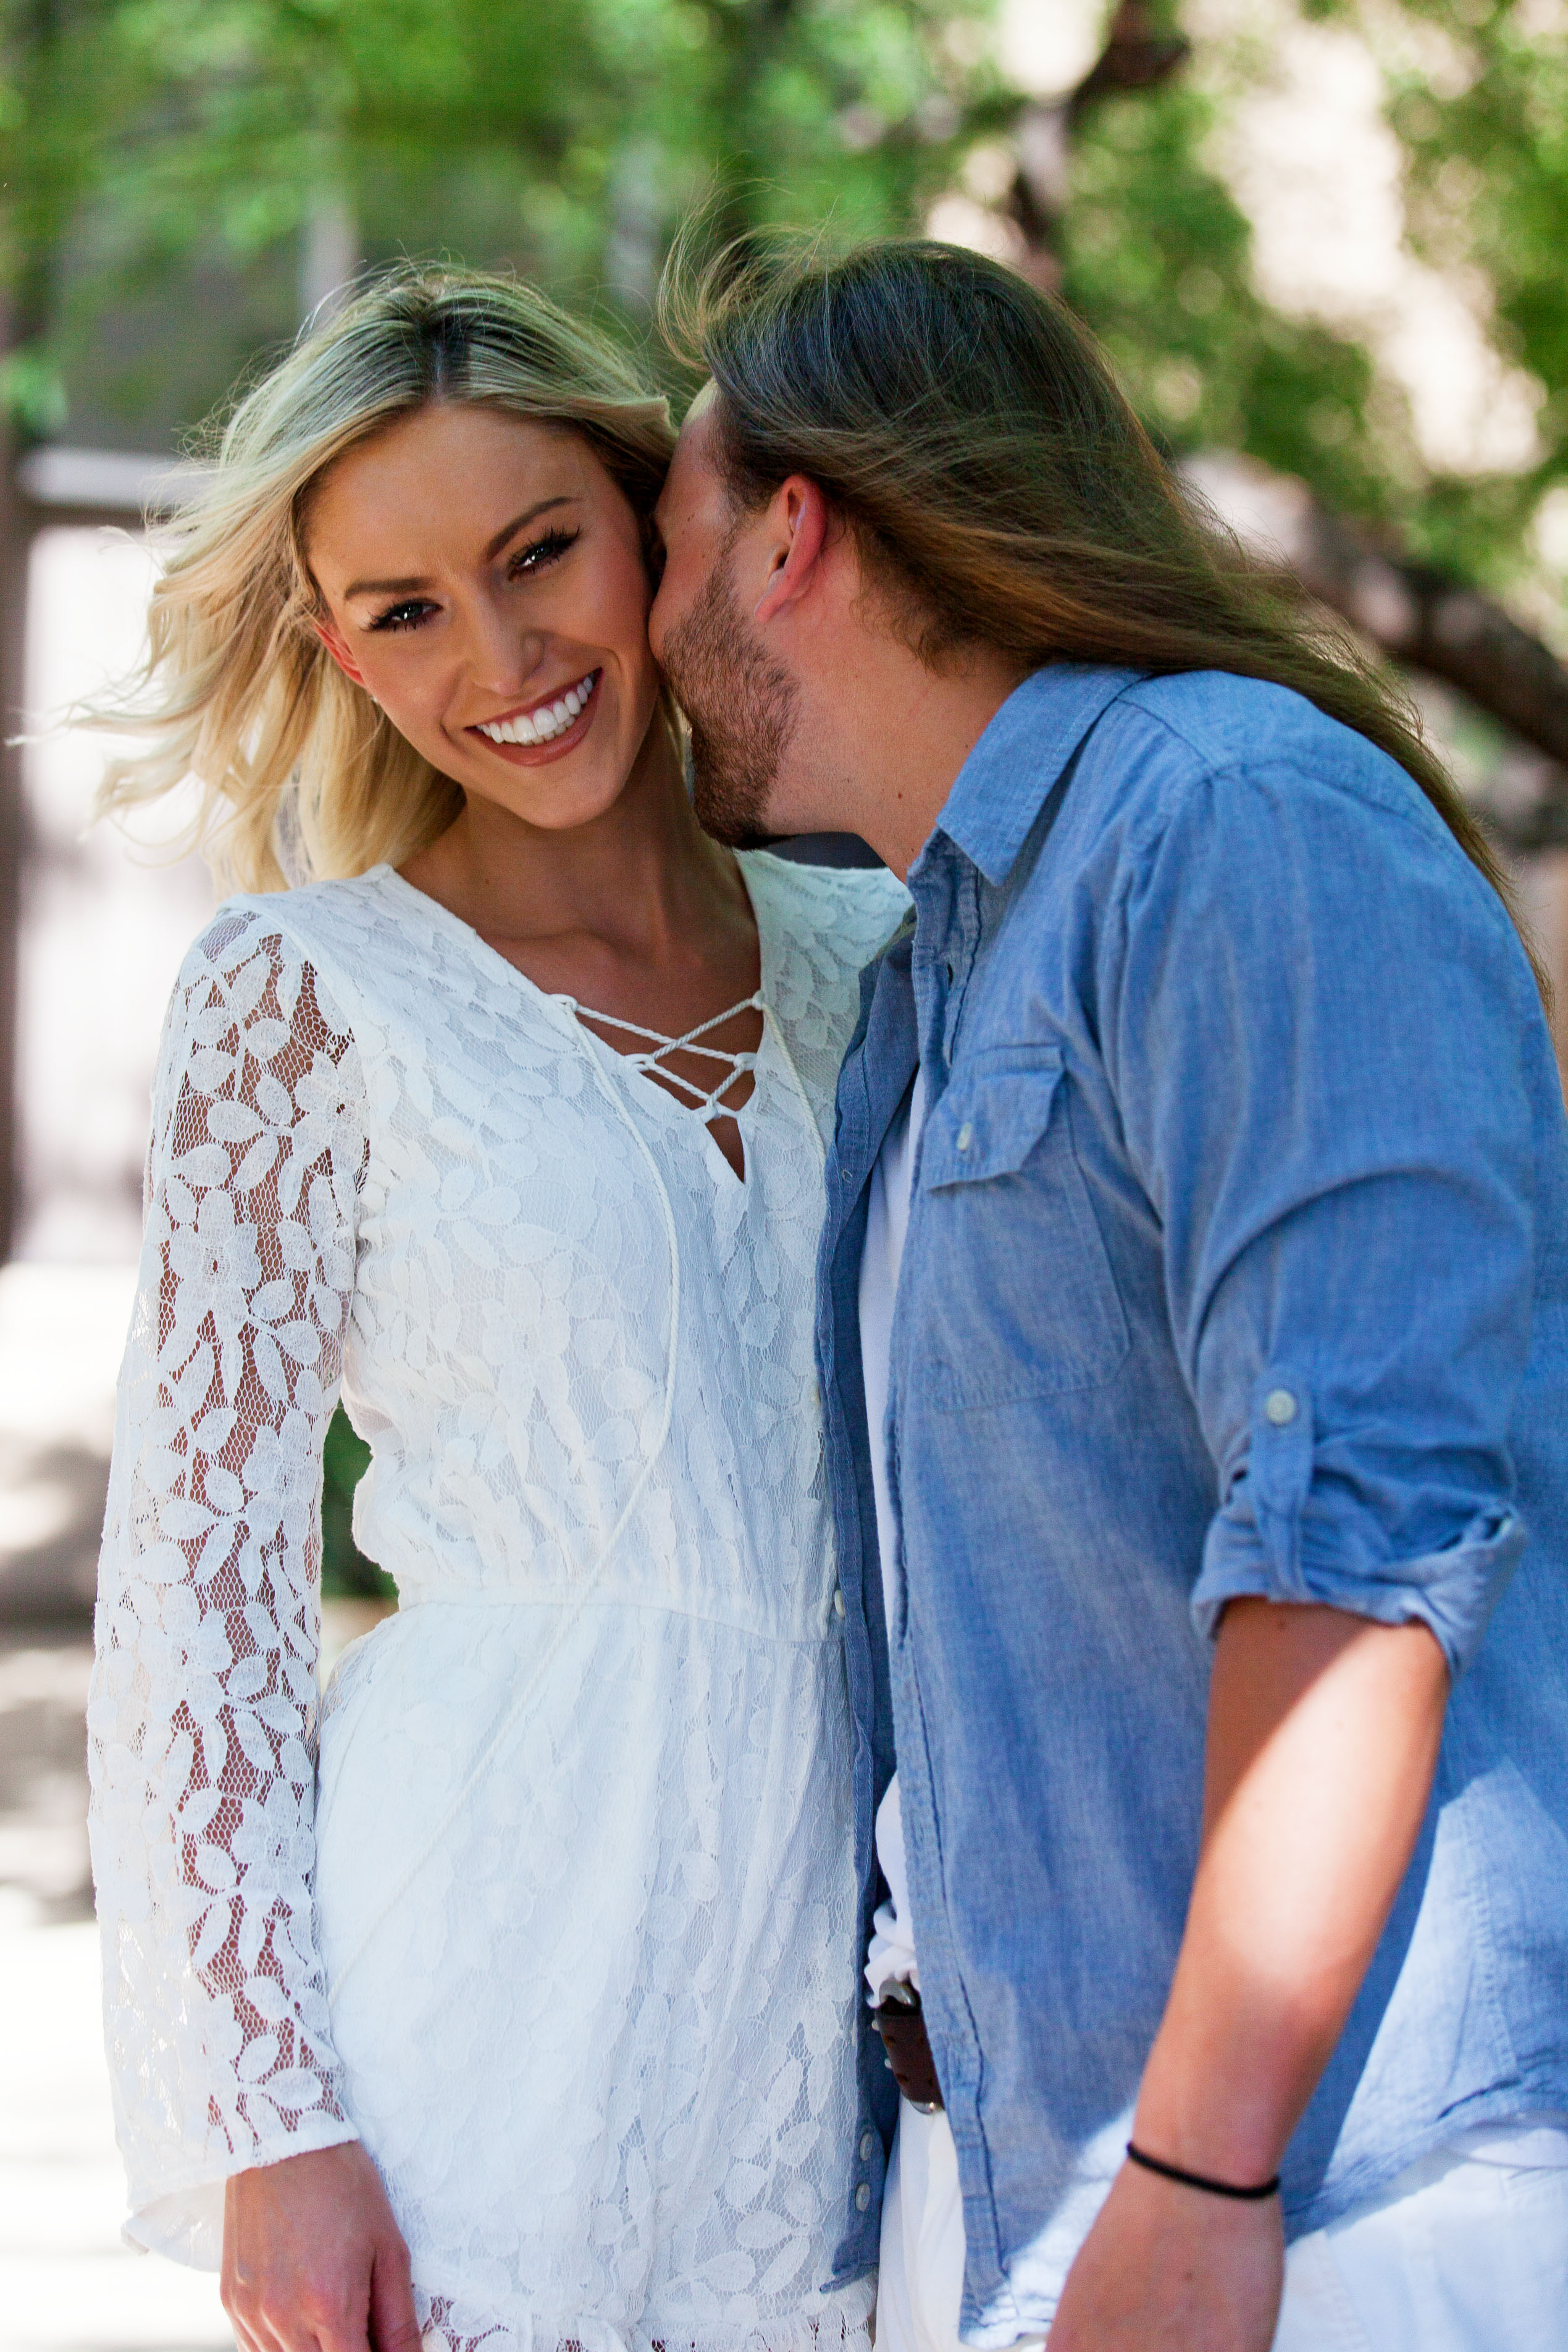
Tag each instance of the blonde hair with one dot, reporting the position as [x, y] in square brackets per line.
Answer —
[235, 688]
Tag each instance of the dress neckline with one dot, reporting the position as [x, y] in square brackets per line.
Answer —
[569, 1008]
[706, 1101]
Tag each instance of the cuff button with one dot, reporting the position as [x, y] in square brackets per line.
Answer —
[1279, 1407]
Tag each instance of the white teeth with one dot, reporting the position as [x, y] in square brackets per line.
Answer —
[543, 725]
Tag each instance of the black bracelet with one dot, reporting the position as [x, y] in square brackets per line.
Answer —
[1201, 2179]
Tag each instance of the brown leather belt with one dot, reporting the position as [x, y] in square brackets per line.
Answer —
[901, 2022]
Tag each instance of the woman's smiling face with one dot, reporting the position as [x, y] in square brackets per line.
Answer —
[485, 579]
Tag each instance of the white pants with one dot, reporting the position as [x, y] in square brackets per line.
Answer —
[1460, 2255]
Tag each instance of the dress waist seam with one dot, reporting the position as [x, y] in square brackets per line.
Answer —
[599, 1603]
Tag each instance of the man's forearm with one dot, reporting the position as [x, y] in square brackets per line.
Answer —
[1323, 1736]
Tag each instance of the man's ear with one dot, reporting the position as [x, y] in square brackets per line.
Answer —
[801, 528]
[328, 632]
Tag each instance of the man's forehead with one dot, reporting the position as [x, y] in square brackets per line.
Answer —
[694, 448]
[694, 445]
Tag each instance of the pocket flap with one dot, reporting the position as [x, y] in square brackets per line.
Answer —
[989, 1120]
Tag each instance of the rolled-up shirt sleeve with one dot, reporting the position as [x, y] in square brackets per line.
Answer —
[1318, 1015]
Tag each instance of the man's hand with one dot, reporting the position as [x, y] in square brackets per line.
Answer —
[1168, 2269]
[1323, 1731]
[313, 2261]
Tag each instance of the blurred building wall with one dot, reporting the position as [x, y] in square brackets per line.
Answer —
[104, 921]
[104, 926]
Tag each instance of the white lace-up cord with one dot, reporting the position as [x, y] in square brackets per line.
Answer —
[552, 1649]
[706, 1106]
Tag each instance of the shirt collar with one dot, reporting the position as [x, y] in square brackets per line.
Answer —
[1013, 768]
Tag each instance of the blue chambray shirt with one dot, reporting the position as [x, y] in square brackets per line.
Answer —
[1237, 1263]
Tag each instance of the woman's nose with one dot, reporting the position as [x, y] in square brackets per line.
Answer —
[502, 656]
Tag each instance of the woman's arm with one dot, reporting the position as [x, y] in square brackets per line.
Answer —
[203, 1717]
[1322, 1740]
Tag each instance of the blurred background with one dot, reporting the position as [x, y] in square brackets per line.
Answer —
[1323, 241]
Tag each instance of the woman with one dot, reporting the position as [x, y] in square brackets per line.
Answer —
[544, 1966]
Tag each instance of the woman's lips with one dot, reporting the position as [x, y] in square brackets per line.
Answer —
[575, 704]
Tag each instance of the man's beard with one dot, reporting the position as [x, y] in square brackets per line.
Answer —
[741, 709]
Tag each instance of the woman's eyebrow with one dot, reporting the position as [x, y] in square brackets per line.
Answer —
[493, 549]
[564, 499]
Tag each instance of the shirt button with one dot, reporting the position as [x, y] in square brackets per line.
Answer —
[837, 1602]
[863, 2198]
[966, 1135]
[1279, 1407]
[868, 2141]
[816, 1392]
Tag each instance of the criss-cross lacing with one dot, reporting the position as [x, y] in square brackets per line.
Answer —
[707, 1105]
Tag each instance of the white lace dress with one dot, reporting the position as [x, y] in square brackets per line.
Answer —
[550, 1902]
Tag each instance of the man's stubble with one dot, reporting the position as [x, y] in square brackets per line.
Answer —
[741, 708]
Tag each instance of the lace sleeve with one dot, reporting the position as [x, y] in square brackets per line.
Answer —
[202, 1723]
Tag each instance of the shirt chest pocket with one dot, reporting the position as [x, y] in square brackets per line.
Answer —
[1009, 1291]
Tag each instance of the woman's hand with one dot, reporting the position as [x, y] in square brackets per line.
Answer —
[313, 2261]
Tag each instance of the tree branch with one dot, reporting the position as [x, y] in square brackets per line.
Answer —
[1416, 617]
[1136, 56]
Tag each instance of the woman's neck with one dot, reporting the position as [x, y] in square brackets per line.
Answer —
[585, 910]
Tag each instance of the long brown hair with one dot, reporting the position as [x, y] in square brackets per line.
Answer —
[1000, 485]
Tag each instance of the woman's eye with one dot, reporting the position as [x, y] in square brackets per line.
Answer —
[406, 616]
[542, 551]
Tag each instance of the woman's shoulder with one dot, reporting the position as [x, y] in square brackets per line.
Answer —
[844, 915]
[824, 924]
[304, 913]
[312, 919]
[324, 927]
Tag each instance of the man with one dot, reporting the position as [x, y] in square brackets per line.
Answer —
[1216, 1457]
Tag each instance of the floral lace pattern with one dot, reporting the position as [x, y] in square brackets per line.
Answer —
[558, 1919]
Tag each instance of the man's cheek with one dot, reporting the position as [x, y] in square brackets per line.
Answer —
[663, 612]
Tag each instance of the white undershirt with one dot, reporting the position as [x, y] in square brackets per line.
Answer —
[887, 1222]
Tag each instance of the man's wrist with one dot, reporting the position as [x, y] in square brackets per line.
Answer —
[1241, 2192]
[1200, 2110]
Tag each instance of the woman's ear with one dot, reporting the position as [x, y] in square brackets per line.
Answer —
[328, 632]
